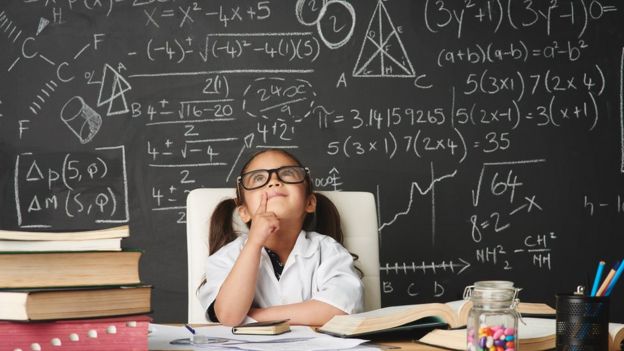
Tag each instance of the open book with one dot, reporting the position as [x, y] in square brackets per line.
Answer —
[538, 334]
[454, 313]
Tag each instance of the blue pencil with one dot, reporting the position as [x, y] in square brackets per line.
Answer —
[615, 279]
[594, 289]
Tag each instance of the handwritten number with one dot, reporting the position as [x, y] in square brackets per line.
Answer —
[529, 6]
[335, 19]
[312, 6]
[181, 217]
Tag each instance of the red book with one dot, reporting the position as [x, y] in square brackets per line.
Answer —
[105, 334]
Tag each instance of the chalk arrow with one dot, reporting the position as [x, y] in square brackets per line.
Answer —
[466, 263]
[43, 22]
[249, 140]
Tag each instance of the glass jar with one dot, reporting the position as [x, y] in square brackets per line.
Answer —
[492, 321]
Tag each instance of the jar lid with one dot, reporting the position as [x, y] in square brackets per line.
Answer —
[494, 284]
[492, 290]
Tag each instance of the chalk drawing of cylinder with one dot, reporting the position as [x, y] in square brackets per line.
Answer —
[81, 119]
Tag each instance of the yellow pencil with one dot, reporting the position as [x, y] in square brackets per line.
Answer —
[607, 280]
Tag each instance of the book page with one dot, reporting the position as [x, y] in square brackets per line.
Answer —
[382, 312]
[388, 317]
[536, 328]
[535, 308]
[616, 335]
[394, 310]
[457, 305]
[107, 233]
[454, 339]
[461, 309]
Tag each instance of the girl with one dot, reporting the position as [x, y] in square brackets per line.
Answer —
[278, 270]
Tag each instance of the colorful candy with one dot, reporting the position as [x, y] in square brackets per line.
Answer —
[491, 338]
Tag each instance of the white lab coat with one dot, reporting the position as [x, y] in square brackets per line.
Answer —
[317, 268]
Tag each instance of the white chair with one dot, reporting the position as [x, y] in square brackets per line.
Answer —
[359, 223]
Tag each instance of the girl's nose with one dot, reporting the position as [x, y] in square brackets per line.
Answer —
[274, 181]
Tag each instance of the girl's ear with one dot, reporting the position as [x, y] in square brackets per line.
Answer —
[243, 213]
[310, 206]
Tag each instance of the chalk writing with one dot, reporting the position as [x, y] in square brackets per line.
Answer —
[490, 131]
[334, 20]
[79, 186]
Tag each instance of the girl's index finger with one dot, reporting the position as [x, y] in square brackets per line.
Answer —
[263, 203]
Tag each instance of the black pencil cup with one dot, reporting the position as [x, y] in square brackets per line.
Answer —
[582, 323]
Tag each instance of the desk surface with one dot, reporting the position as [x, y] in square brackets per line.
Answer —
[408, 346]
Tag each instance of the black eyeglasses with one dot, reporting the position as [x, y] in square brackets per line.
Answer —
[260, 177]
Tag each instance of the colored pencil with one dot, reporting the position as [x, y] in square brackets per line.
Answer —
[607, 280]
[601, 265]
[615, 279]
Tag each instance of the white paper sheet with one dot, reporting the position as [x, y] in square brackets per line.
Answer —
[298, 339]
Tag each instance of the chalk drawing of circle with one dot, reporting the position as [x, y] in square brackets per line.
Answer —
[279, 99]
[347, 37]
[299, 9]
[81, 119]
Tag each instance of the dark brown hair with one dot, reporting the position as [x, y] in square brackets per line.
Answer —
[325, 220]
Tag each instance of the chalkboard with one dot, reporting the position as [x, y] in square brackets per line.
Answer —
[490, 132]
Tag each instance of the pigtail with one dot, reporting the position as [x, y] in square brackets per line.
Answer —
[221, 229]
[326, 220]
[221, 225]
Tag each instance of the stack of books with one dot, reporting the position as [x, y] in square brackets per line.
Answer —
[78, 290]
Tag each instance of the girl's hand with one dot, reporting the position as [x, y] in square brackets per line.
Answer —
[263, 223]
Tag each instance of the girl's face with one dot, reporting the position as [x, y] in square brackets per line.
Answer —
[287, 201]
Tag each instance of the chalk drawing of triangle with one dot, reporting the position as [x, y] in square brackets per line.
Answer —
[118, 104]
[113, 83]
[34, 173]
[382, 53]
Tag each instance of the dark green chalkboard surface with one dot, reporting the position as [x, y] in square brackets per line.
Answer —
[490, 132]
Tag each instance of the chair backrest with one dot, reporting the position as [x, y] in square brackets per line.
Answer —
[359, 223]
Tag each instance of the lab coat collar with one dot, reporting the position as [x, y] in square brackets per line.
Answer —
[304, 246]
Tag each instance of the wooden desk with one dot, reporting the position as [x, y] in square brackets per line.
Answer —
[408, 346]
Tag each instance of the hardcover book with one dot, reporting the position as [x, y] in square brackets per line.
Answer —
[59, 269]
[263, 328]
[120, 333]
[113, 244]
[85, 302]
[108, 233]
[411, 317]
